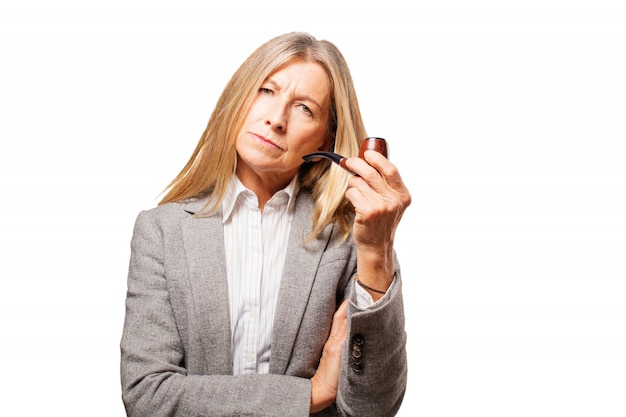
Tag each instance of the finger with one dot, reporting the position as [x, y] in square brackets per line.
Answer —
[340, 324]
[371, 196]
[343, 308]
[365, 201]
[341, 312]
[385, 168]
[377, 172]
[367, 178]
[394, 185]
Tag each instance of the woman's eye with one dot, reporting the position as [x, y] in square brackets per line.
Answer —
[306, 109]
[264, 90]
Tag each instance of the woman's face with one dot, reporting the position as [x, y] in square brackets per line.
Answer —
[287, 120]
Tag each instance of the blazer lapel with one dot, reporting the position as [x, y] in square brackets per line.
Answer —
[203, 239]
[298, 275]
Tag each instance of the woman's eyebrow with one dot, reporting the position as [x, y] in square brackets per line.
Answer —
[271, 81]
[299, 96]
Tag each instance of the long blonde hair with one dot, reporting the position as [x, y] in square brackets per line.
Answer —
[214, 159]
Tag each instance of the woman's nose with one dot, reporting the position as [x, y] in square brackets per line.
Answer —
[277, 118]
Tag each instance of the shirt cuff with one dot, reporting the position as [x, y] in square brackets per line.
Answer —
[364, 300]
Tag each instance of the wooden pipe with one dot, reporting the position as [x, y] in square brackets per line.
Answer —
[372, 143]
[375, 144]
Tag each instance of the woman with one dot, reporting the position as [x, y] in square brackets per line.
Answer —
[243, 296]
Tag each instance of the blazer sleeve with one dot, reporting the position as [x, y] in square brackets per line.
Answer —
[374, 369]
[155, 378]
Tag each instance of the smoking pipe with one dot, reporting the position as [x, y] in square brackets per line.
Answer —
[375, 144]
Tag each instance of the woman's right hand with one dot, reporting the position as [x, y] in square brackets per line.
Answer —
[325, 382]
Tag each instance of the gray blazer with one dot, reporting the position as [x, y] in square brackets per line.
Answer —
[176, 343]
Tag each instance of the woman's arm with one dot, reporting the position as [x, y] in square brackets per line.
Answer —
[374, 372]
[156, 380]
[380, 198]
[324, 383]
[374, 366]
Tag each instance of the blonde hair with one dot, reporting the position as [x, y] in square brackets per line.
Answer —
[214, 160]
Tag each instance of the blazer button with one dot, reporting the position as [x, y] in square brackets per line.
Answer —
[356, 363]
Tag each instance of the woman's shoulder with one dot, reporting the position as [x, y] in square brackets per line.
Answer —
[175, 210]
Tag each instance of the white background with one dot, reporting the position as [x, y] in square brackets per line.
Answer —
[507, 120]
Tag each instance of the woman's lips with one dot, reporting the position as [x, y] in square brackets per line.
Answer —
[266, 141]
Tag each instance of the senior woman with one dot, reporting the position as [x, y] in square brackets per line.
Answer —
[263, 285]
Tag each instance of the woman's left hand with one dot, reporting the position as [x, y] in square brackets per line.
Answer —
[380, 198]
